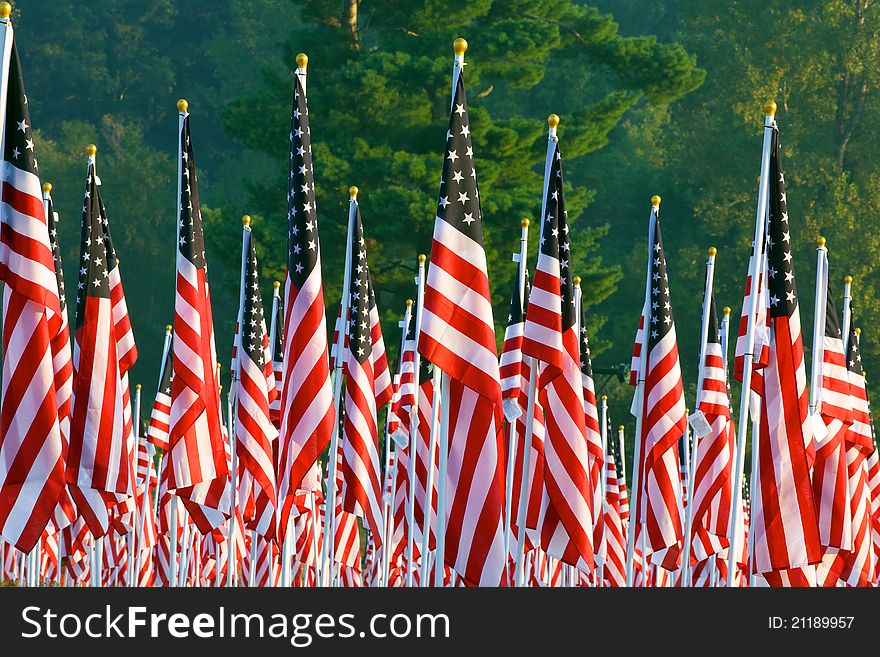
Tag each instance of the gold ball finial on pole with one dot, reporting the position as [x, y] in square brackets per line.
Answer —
[409, 303]
[47, 188]
[302, 60]
[5, 10]
[277, 285]
[621, 427]
[576, 280]
[655, 201]
[246, 220]
[726, 310]
[422, 258]
[91, 149]
[138, 386]
[604, 397]
[524, 223]
[770, 108]
[182, 105]
[820, 241]
[848, 280]
[858, 331]
[712, 251]
[168, 328]
[353, 192]
[459, 46]
[553, 121]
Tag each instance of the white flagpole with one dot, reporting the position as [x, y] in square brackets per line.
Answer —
[743, 426]
[512, 441]
[847, 309]
[330, 509]
[440, 552]
[725, 338]
[692, 469]
[233, 502]
[639, 403]
[519, 571]
[414, 429]
[818, 325]
[273, 333]
[184, 555]
[603, 547]
[436, 404]
[386, 507]
[386, 550]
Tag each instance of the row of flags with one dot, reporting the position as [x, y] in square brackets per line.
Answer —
[496, 470]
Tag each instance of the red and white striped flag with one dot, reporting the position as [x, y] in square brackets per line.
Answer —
[99, 464]
[196, 463]
[307, 412]
[783, 515]
[613, 532]
[367, 389]
[860, 566]
[458, 336]
[254, 387]
[160, 416]
[664, 418]
[713, 475]
[32, 450]
[551, 337]
[830, 477]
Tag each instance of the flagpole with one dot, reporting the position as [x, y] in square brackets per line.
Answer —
[414, 427]
[436, 406]
[818, 324]
[233, 473]
[704, 337]
[273, 332]
[724, 334]
[603, 547]
[512, 441]
[330, 508]
[758, 248]
[639, 402]
[847, 309]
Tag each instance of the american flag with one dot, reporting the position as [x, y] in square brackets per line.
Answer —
[551, 337]
[99, 467]
[307, 411]
[613, 534]
[62, 361]
[664, 418]
[860, 567]
[591, 416]
[714, 460]
[32, 476]
[515, 371]
[830, 478]
[367, 389]
[254, 387]
[160, 416]
[783, 515]
[196, 457]
[458, 336]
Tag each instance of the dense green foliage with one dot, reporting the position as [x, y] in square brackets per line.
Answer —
[655, 97]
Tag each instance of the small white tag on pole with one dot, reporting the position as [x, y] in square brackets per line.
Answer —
[820, 430]
[512, 409]
[516, 257]
[400, 439]
[700, 424]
